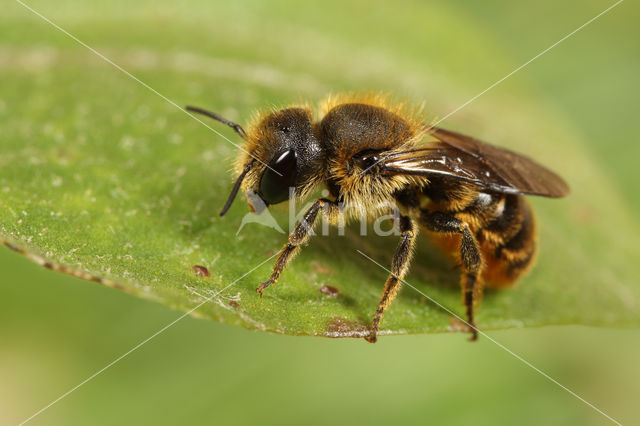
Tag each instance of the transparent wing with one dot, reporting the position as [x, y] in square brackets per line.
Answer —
[462, 157]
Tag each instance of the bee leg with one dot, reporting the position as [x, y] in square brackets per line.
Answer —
[399, 267]
[298, 237]
[469, 254]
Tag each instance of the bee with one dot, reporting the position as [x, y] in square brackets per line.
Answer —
[370, 152]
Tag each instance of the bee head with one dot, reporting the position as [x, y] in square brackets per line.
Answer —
[285, 158]
[282, 157]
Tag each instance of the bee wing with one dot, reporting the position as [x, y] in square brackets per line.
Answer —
[462, 157]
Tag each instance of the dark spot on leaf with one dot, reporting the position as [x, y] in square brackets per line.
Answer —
[342, 327]
[234, 304]
[12, 247]
[319, 267]
[200, 271]
[330, 291]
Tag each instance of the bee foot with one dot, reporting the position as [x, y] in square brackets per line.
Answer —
[474, 333]
[262, 286]
[371, 337]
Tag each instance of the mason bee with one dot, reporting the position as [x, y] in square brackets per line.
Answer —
[370, 152]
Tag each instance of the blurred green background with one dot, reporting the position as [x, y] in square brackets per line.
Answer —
[55, 330]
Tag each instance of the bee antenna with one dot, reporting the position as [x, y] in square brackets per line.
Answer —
[236, 187]
[236, 127]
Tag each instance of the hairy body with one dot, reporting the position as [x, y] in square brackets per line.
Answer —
[374, 156]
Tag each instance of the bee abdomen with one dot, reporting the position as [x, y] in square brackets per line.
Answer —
[509, 246]
[504, 226]
[505, 221]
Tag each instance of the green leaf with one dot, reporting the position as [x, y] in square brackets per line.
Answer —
[104, 179]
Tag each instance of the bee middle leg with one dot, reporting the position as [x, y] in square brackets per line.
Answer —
[298, 237]
[399, 267]
[470, 255]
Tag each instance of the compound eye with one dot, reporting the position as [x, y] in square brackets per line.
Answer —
[274, 187]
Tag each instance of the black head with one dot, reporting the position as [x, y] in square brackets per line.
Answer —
[292, 152]
[283, 157]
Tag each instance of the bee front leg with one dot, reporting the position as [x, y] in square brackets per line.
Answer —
[399, 267]
[298, 237]
[469, 254]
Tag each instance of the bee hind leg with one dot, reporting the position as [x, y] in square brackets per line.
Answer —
[399, 267]
[469, 254]
[298, 237]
